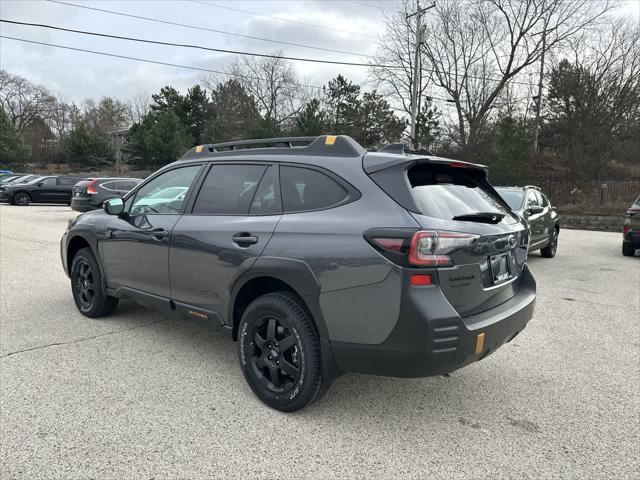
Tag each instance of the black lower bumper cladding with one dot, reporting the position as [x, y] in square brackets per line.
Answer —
[430, 338]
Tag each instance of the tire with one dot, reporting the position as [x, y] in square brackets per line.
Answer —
[627, 249]
[21, 198]
[279, 352]
[550, 250]
[87, 286]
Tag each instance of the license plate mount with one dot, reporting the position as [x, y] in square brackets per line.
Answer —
[500, 267]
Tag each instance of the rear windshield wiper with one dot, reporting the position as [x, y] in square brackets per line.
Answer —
[484, 217]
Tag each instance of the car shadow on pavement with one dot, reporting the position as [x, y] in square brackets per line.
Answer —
[350, 394]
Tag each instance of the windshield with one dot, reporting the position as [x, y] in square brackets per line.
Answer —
[443, 192]
[512, 197]
[20, 179]
[31, 180]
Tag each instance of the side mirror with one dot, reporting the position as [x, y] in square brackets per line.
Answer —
[114, 206]
[535, 209]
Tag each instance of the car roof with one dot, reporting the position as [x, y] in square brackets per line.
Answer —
[323, 150]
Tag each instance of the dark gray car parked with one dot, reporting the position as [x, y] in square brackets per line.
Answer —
[90, 194]
[46, 189]
[317, 257]
[544, 222]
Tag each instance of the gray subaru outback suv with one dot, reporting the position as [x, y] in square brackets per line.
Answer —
[318, 257]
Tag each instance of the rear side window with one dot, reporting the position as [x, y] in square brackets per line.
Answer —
[448, 192]
[306, 189]
[68, 180]
[229, 189]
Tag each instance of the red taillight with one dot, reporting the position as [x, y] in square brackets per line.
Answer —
[90, 189]
[425, 248]
[394, 244]
[432, 248]
[626, 229]
[420, 280]
[459, 165]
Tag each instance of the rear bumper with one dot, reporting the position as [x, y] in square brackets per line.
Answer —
[83, 204]
[632, 238]
[430, 338]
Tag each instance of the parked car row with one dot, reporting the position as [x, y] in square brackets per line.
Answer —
[83, 194]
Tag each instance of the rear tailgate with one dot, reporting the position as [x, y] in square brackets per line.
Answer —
[447, 196]
[80, 189]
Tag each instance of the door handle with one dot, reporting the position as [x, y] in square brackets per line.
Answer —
[159, 233]
[244, 239]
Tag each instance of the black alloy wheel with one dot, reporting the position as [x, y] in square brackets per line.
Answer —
[85, 284]
[279, 350]
[276, 354]
[22, 199]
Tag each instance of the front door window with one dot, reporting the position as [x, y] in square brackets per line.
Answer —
[164, 194]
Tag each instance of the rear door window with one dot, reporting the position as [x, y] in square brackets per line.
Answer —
[266, 201]
[49, 182]
[68, 181]
[229, 189]
[448, 192]
[305, 189]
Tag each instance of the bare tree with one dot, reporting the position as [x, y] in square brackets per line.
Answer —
[474, 48]
[60, 121]
[393, 65]
[23, 101]
[273, 84]
[138, 106]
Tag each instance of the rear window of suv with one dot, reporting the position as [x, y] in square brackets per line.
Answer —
[447, 192]
[304, 189]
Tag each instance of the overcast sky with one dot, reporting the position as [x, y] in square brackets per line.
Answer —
[77, 75]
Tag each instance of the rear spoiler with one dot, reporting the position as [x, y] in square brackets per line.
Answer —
[389, 172]
[374, 162]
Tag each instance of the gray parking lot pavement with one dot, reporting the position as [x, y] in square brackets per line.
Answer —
[143, 395]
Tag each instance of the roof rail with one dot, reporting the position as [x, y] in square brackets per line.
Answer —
[282, 142]
[330, 145]
[403, 149]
